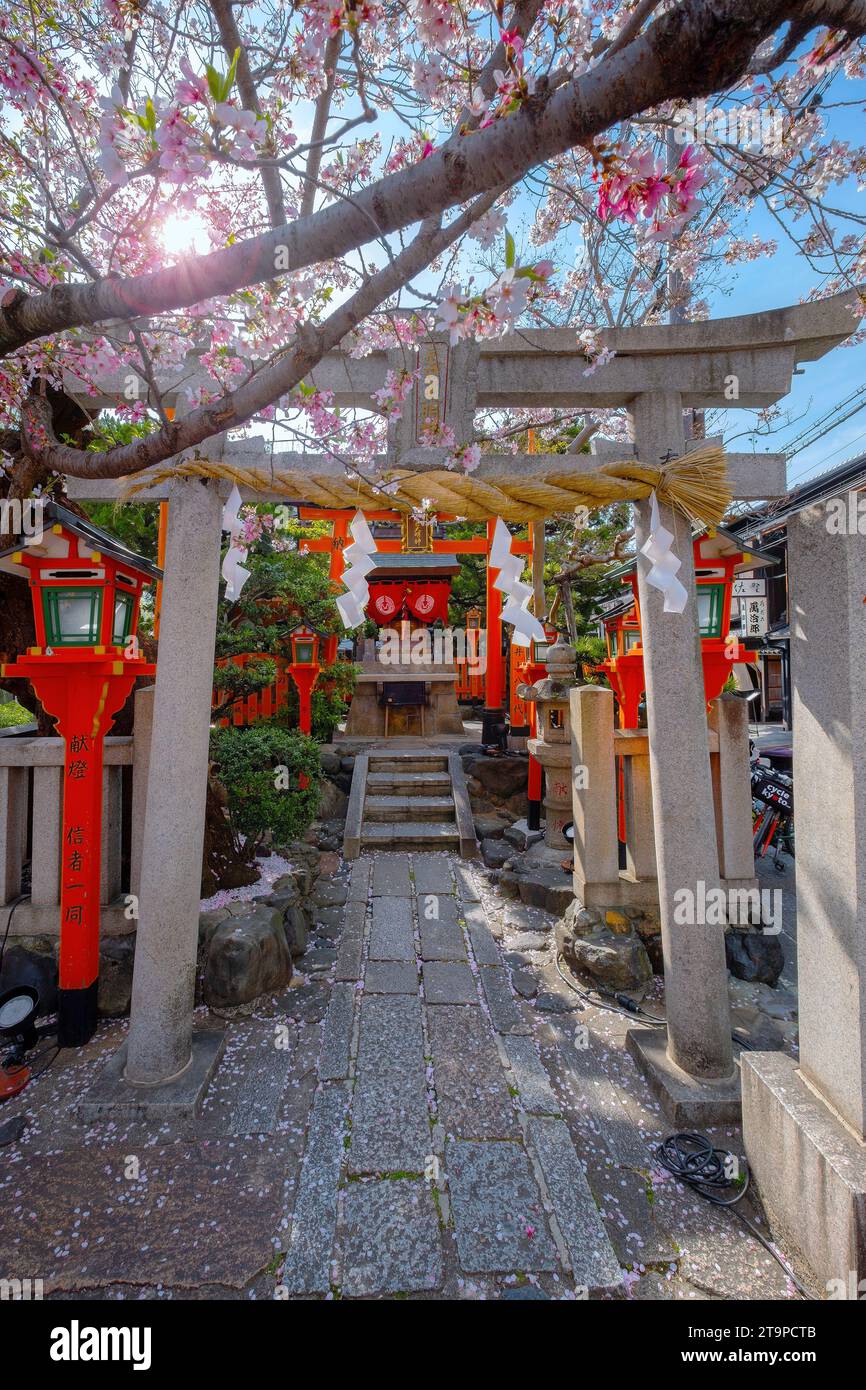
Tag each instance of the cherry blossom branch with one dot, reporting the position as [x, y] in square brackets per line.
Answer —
[231, 40]
[696, 48]
[320, 122]
[235, 408]
[590, 428]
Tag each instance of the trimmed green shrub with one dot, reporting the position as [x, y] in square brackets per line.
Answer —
[12, 714]
[254, 765]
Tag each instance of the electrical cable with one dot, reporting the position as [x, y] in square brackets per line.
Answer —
[625, 1005]
[696, 1163]
[27, 1065]
[691, 1158]
[22, 898]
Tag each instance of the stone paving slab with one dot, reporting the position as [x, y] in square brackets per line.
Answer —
[593, 1262]
[390, 1122]
[264, 1070]
[634, 1225]
[308, 1260]
[439, 907]
[533, 1083]
[391, 1035]
[587, 1079]
[391, 977]
[350, 956]
[245, 1093]
[711, 1261]
[354, 915]
[432, 873]
[392, 1242]
[199, 1213]
[466, 885]
[500, 1001]
[448, 982]
[481, 938]
[391, 876]
[442, 941]
[471, 1086]
[359, 883]
[392, 936]
[334, 1062]
[499, 1221]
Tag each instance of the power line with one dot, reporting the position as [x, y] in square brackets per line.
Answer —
[812, 433]
[846, 445]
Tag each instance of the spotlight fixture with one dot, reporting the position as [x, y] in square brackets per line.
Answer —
[17, 1026]
[18, 1016]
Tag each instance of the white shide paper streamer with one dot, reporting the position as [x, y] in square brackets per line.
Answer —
[663, 574]
[359, 561]
[233, 572]
[526, 626]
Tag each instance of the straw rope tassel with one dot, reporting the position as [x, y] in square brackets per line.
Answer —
[695, 484]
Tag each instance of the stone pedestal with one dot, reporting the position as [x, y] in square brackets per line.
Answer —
[366, 717]
[556, 761]
[596, 859]
[696, 978]
[805, 1130]
[552, 748]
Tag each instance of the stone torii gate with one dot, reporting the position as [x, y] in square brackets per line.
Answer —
[657, 372]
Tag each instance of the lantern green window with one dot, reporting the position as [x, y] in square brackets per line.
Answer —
[123, 606]
[711, 606]
[72, 616]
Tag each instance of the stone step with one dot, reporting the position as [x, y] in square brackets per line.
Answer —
[409, 834]
[408, 784]
[415, 761]
[410, 808]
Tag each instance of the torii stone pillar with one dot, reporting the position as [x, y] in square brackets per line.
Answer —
[165, 1067]
[805, 1128]
[692, 1071]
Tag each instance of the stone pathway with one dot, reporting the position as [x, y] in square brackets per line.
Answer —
[436, 1149]
[476, 1132]
[429, 1111]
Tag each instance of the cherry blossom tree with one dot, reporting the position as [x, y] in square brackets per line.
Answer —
[213, 195]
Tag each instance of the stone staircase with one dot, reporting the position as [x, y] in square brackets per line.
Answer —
[409, 799]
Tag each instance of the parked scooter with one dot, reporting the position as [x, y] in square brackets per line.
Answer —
[772, 808]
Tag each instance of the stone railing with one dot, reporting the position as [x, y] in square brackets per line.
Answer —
[31, 818]
[598, 751]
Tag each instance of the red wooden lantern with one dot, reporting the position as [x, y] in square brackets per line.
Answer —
[86, 590]
[717, 559]
[304, 669]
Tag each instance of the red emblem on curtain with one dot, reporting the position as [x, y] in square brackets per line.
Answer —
[386, 602]
[429, 602]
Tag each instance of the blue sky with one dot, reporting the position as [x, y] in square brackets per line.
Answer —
[786, 278]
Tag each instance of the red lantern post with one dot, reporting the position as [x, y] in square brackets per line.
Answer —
[304, 669]
[83, 691]
[86, 591]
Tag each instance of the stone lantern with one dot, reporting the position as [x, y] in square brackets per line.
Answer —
[552, 745]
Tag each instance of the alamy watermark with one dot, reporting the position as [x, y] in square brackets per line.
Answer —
[434, 647]
[77, 1343]
[718, 907]
[23, 517]
[851, 1289]
[846, 516]
[750, 127]
[21, 1290]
